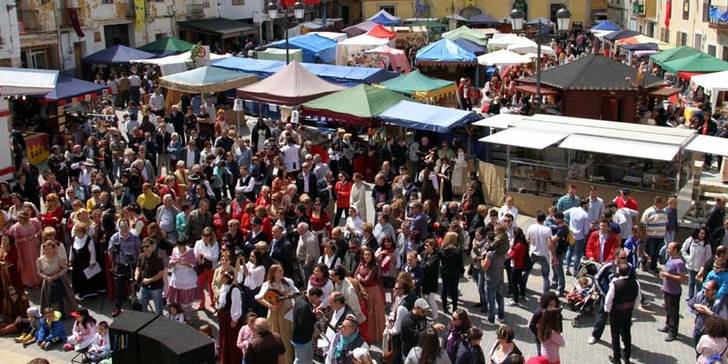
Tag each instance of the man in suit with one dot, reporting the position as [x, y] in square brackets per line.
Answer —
[307, 182]
[191, 154]
[255, 235]
[339, 311]
[602, 243]
[198, 219]
[623, 295]
[282, 250]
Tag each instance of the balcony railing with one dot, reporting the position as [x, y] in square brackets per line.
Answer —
[718, 18]
[638, 9]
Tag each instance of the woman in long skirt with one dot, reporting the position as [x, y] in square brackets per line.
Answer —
[55, 288]
[183, 282]
[85, 254]
[229, 312]
[9, 272]
[368, 274]
[278, 306]
[26, 233]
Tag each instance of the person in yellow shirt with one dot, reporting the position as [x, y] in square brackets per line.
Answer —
[95, 198]
[148, 201]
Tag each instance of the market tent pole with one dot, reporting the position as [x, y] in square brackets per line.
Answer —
[508, 169]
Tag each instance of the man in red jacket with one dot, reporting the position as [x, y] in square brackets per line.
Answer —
[602, 243]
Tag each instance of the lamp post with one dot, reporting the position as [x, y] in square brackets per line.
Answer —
[298, 11]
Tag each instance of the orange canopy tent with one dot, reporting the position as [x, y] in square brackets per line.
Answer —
[380, 31]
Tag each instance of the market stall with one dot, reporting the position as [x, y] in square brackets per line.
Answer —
[315, 47]
[275, 54]
[437, 119]
[672, 54]
[715, 85]
[539, 156]
[503, 40]
[176, 63]
[394, 57]
[385, 18]
[424, 88]
[447, 60]
[118, 54]
[699, 63]
[292, 85]
[503, 57]
[359, 29]
[483, 21]
[167, 46]
[380, 31]
[464, 32]
[348, 48]
[338, 37]
[477, 49]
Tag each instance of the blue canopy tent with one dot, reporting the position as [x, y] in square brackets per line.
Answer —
[445, 51]
[471, 46]
[68, 88]
[262, 68]
[315, 47]
[409, 114]
[606, 25]
[117, 54]
[385, 18]
[620, 34]
[640, 47]
[341, 75]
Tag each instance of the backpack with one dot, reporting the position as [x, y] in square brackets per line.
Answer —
[716, 358]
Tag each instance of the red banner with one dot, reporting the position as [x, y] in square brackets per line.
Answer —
[668, 13]
[290, 3]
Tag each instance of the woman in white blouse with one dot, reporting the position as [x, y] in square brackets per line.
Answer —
[354, 224]
[254, 273]
[207, 253]
[229, 310]
[358, 196]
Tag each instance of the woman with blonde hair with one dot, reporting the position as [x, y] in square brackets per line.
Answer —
[451, 268]
[275, 294]
[207, 253]
[55, 288]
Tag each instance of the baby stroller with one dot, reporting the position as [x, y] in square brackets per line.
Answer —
[584, 296]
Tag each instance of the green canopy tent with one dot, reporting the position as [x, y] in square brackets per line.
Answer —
[700, 62]
[673, 54]
[206, 80]
[167, 45]
[421, 87]
[357, 105]
[466, 33]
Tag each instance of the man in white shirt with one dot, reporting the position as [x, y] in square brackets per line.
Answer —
[291, 156]
[624, 217]
[156, 102]
[307, 251]
[539, 236]
[135, 85]
[339, 310]
[508, 208]
[596, 205]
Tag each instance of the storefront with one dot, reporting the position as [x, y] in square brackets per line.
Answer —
[535, 158]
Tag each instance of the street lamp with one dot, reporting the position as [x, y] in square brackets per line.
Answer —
[299, 10]
[563, 19]
[517, 19]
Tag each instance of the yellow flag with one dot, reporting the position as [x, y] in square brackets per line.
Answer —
[141, 12]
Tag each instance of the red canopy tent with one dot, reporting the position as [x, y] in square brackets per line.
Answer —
[684, 75]
[380, 31]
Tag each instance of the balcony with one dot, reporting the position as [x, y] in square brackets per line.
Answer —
[638, 9]
[195, 11]
[718, 18]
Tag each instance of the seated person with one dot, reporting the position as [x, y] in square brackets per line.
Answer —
[51, 331]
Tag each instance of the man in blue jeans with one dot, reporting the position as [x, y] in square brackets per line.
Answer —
[149, 273]
[655, 220]
[580, 226]
[559, 245]
[539, 238]
[493, 273]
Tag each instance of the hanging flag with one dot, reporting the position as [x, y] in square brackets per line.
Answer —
[668, 13]
[140, 12]
[75, 22]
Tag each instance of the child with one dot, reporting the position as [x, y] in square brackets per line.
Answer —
[100, 348]
[175, 313]
[84, 328]
[51, 331]
[581, 289]
[247, 332]
[207, 331]
[30, 326]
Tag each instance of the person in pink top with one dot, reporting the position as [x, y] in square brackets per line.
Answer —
[549, 335]
[83, 332]
[247, 332]
[26, 233]
[713, 341]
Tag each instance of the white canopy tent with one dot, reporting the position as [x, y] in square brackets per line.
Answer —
[338, 37]
[713, 83]
[526, 49]
[503, 40]
[357, 44]
[176, 63]
[502, 57]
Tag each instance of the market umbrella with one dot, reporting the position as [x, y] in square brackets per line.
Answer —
[502, 57]
[167, 44]
[207, 79]
[118, 54]
[358, 105]
[293, 85]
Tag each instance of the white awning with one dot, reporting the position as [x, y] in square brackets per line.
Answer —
[527, 138]
[22, 81]
[623, 147]
[709, 144]
[500, 121]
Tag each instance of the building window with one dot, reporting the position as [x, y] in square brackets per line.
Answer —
[238, 2]
[159, 36]
[724, 55]
[388, 8]
[697, 41]
[706, 10]
[665, 35]
[682, 39]
[686, 10]
[107, 1]
[712, 50]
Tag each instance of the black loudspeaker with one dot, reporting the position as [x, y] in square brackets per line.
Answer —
[123, 334]
[165, 341]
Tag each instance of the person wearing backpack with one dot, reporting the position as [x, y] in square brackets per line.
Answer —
[713, 345]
